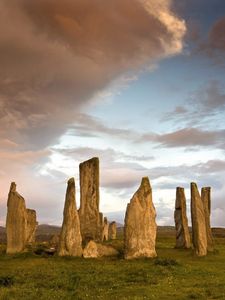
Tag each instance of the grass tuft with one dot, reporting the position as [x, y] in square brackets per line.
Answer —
[6, 281]
[165, 262]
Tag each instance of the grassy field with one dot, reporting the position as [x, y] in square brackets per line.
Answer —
[175, 274]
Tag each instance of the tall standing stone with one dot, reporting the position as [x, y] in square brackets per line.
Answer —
[15, 221]
[199, 237]
[181, 221]
[112, 230]
[105, 233]
[90, 222]
[70, 242]
[101, 223]
[31, 226]
[206, 199]
[140, 225]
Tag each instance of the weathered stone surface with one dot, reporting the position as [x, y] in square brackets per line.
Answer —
[206, 199]
[15, 221]
[199, 238]
[70, 242]
[140, 226]
[90, 222]
[112, 230]
[181, 221]
[31, 226]
[94, 250]
[101, 224]
[54, 242]
[105, 233]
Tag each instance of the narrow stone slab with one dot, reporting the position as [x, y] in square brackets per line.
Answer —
[105, 233]
[70, 242]
[31, 226]
[90, 222]
[206, 199]
[140, 225]
[112, 230]
[181, 221]
[199, 237]
[15, 221]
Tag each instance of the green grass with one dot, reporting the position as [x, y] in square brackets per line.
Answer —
[175, 274]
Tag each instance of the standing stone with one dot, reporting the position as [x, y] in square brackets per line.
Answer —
[101, 223]
[112, 230]
[90, 222]
[199, 237]
[31, 226]
[140, 225]
[15, 221]
[181, 221]
[54, 242]
[70, 237]
[206, 199]
[105, 234]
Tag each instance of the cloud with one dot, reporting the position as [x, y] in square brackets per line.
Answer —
[212, 43]
[217, 36]
[54, 57]
[190, 137]
[118, 170]
[186, 137]
[203, 107]
[89, 126]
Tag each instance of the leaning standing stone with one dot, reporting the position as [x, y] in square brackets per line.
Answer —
[15, 221]
[181, 221]
[70, 242]
[140, 225]
[199, 238]
[206, 199]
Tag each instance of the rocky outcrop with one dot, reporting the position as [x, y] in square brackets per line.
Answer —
[112, 230]
[95, 250]
[15, 221]
[199, 237]
[31, 226]
[206, 199]
[70, 242]
[140, 225]
[181, 221]
[105, 233]
[90, 222]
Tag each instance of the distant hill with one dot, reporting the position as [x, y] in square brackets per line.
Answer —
[47, 229]
[45, 232]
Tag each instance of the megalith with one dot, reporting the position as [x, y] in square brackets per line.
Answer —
[140, 225]
[105, 233]
[90, 222]
[15, 221]
[70, 241]
[31, 226]
[206, 199]
[101, 224]
[95, 250]
[199, 237]
[181, 221]
[112, 230]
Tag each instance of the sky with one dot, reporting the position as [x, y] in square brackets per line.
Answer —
[138, 83]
